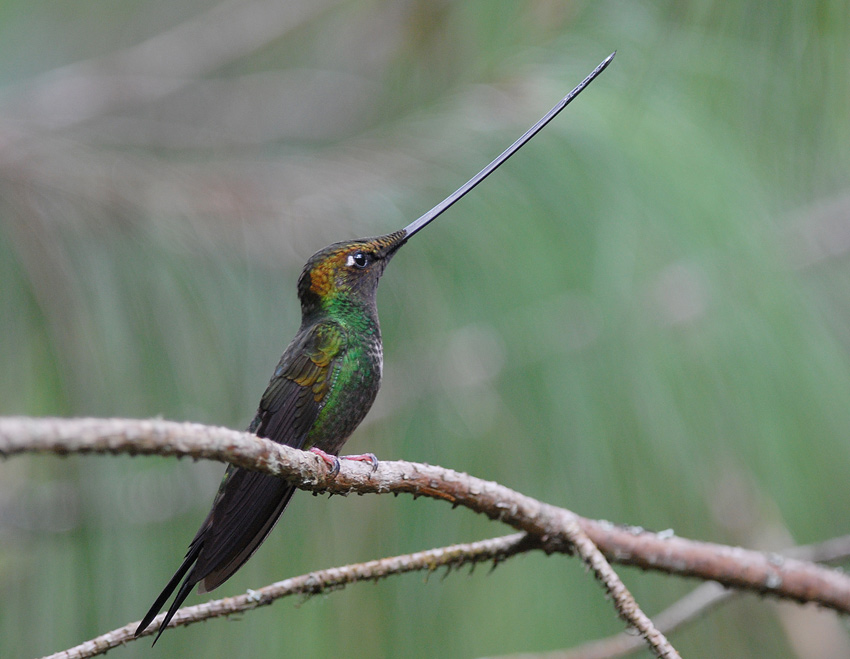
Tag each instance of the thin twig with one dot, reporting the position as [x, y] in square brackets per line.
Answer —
[699, 601]
[624, 602]
[704, 597]
[314, 583]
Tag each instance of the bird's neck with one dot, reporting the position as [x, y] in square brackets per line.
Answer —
[351, 311]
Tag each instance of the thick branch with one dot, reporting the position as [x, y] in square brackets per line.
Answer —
[732, 566]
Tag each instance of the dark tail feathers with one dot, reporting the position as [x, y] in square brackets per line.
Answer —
[182, 594]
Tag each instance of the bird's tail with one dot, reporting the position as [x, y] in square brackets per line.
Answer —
[182, 594]
[246, 508]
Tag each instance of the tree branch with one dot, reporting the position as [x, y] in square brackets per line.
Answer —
[556, 527]
[314, 583]
[731, 566]
[735, 567]
[699, 601]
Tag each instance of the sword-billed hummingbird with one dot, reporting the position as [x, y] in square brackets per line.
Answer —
[324, 385]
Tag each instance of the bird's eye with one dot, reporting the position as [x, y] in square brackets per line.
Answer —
[358, 259]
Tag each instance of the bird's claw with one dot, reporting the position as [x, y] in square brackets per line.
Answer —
[331, 460]
[364, 457]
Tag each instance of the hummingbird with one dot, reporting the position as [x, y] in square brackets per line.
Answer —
[320, 391]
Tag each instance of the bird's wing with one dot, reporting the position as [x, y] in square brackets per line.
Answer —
[297, 390]
[248, 503]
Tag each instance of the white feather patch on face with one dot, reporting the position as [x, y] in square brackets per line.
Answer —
[350, 260]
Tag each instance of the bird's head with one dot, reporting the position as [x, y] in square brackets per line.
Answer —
[349, 270]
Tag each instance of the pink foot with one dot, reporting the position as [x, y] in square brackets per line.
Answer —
[364, 457]
[333, 461]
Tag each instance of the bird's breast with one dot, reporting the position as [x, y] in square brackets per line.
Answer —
[355, 380]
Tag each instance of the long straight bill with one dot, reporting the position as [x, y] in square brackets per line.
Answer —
[447, 203]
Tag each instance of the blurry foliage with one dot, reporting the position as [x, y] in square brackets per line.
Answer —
[642, 317]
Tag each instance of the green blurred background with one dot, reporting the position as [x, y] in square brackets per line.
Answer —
[643, 316]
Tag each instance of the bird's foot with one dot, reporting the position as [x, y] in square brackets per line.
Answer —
[364, 457]
[331, 460]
